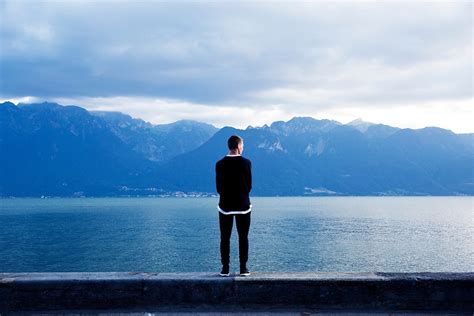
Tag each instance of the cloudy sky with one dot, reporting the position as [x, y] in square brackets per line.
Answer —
[406, 64]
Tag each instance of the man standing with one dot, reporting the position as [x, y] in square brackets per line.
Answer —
[233, 183]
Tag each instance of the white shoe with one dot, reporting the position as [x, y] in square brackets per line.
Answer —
[224, 272]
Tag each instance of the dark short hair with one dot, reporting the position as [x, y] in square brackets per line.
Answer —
[234, 141]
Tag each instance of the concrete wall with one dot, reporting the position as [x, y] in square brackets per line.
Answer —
[260, 291]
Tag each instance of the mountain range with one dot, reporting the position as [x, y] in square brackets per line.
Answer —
[47, 149]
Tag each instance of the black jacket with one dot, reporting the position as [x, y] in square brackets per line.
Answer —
[234, 183]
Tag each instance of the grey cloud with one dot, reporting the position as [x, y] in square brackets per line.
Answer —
[227, 52]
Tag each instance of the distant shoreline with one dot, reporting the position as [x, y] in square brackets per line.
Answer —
[199, 197]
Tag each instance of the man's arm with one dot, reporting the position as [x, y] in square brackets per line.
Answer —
[249, 178]
[218, 179]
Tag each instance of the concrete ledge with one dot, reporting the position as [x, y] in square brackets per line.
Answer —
[257, 292]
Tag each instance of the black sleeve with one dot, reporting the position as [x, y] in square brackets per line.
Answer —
[249, 178]
[218, 179]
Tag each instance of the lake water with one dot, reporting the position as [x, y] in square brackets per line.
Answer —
[391, 234]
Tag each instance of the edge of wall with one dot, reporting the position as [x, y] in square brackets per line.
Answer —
[371, 291]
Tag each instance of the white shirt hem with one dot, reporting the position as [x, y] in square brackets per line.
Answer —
[234, 212]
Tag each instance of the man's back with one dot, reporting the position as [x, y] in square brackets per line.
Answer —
[234, 183]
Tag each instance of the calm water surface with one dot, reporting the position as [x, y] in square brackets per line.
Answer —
[393, 234]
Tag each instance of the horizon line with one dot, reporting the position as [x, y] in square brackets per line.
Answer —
[360, 119]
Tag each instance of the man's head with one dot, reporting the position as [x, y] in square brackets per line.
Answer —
[235, 144]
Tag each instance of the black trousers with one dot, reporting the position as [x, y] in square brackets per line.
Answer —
[243, 225]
